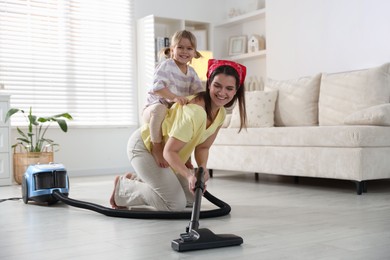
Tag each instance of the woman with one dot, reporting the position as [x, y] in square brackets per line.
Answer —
[186, 129]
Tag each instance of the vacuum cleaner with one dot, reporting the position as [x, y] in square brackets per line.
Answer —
[49, 183]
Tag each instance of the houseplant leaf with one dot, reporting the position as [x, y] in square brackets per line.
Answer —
[10, 112]
[34, 140]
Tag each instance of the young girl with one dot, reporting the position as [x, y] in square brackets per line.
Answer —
[173, 80]
[186, 129]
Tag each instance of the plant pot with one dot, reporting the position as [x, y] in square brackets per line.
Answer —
[21, 161]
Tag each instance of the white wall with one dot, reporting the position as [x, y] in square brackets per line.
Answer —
[305, 37]
[200, 10]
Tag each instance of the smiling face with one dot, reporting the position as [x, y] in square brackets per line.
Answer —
[183, 52]
[222, 90]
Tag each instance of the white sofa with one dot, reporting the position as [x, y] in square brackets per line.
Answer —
[328, 125]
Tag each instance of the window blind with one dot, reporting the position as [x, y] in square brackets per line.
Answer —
[74, 56]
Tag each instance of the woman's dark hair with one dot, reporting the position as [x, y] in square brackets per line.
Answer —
[240, 93]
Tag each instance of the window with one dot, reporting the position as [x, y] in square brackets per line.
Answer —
[73, 56]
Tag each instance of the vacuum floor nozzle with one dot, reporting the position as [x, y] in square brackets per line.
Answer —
[197, 238]
[204, 239]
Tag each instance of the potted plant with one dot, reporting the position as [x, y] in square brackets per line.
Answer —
[33, 145]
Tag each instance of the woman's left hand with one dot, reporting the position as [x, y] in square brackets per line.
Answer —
[192, 181]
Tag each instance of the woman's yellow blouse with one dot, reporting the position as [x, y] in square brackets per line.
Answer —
[188, 124]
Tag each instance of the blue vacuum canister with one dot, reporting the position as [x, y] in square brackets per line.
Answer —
[41, 180]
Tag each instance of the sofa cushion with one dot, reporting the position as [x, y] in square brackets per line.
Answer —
[260, 106]
[307, 136]
[226, 122]
[297, 102]
[376, 115]
[342, 94]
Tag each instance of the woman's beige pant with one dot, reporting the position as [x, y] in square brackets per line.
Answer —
[153, 186]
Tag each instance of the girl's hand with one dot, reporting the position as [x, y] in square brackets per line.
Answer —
[181, 100]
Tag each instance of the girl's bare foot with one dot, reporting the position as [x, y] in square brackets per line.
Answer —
[157, 152]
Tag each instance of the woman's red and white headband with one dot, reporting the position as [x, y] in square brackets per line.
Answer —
[214, 64]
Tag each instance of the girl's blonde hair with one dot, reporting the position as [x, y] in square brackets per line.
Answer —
[176, 38]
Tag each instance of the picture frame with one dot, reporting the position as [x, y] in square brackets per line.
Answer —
[237, 45]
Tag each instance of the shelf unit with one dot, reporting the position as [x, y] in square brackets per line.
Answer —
[148, 29]
[251, 16]
[252, 23]
[5, 153]
[248, 56]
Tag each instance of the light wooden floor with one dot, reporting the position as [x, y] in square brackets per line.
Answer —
[315, 219]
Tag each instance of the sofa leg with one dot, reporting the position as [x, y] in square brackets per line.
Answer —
[211, 173]
[365, 187]
[361, 186]
[296, 179]
[256, 176]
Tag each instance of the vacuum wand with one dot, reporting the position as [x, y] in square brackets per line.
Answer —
[199, 189]
[196, 238]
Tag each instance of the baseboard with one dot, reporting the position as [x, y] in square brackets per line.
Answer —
[97, 172]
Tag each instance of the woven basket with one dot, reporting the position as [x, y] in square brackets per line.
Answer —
[21, 161]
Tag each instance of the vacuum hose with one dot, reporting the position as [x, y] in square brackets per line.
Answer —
[223, 209]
